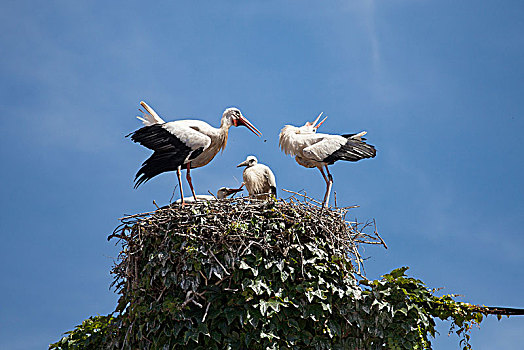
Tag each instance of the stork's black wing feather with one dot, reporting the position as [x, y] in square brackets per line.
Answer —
[170, 152]
[353, 150]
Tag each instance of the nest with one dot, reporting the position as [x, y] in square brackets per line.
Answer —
[191, 268]
[213, 221]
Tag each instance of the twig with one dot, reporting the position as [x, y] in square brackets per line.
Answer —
[378, 236]
[205, 313]
[303, 195]
[173, 194]
[222, 266]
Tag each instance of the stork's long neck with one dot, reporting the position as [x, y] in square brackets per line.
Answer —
[223, 132]
[287, 138]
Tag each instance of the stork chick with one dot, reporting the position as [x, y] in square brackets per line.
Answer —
[259, 179]
[222, 193]
[182, 143]
[312, 150]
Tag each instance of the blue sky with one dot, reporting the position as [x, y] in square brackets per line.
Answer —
[437, 84]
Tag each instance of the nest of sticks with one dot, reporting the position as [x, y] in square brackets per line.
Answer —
[186, 261]
[212, 221]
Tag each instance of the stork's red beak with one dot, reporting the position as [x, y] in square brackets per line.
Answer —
[323, 120]
[243, 121]
[314, 124]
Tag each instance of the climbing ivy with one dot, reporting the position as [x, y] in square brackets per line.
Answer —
[410, 309]
[94, 333]
[260, 275]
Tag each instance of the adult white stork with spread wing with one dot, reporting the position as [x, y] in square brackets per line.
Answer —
[259, 179]
[182, 143]
[313, 150]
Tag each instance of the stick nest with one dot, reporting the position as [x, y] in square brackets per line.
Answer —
[187, 272]
[225, 222]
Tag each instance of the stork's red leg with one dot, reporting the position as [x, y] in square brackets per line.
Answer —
[329, 183]
[188, 177]
[179, 176]
[329, 174]
[323, 174]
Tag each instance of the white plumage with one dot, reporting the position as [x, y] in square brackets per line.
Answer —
[149, 116]
[259, 179]
[313, 150]
[182, 143]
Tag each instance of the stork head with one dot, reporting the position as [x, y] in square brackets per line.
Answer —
[224, 192]
[233, 116]
[311, 128]
[249, 162]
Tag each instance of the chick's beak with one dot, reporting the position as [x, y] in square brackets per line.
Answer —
[230, 191]
[244, 163]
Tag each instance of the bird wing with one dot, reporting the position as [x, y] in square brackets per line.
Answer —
[188, 135]
[354, 149]
[270, 177]
[325, 146]
[174, 145]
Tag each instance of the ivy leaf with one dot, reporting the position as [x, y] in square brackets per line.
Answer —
[258, 286]
[326, 307]
[263, 306]
[274, 304]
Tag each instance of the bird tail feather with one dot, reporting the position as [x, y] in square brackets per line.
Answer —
[149, 117]
[359, 135]
[353, 151]
[157, 163]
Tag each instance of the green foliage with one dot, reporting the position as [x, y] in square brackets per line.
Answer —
[259, 276]
[93, 334]
[410, 309]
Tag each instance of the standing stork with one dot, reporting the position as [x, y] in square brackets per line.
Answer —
[188, 143]
[259, 179]
[313, 150]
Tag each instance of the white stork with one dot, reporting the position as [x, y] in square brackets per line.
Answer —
[222, 193]
[188, 143]
[313, 150]
[259, 179]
